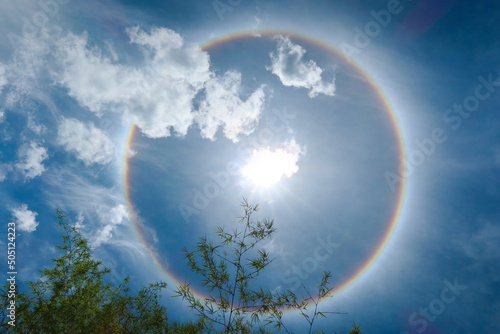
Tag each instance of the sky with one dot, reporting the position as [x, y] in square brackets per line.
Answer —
[366, 130]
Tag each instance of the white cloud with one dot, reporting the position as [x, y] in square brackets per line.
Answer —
[103, 236]
[291, 146]
[31, 158]
[158, 94]
[3, 78]
[289, 66]
[155, 93]
[131, 153]
[4, 170]
[223, 107]
[112, 217]
[26, 67]
[115, 216]
[25, 219]
[79, 221]
[2, 116]
[267, 167]
[34, 126]
[90, 144]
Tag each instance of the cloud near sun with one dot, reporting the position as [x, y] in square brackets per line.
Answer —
[266, 167]
[156, 93]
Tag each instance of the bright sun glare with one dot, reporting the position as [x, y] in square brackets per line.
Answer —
[266, 167]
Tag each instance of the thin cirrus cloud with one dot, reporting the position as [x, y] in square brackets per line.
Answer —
[4, 171]
[3, 79]
[102, 206]
[90, 144]
[25, 72]
[38, 129]
[31, 160]
[158, 94]
[25, 219]
[482, 245]
[288, 64]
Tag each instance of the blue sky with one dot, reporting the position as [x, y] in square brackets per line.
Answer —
[214, 124]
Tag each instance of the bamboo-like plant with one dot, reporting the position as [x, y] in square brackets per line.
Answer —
[229, 267]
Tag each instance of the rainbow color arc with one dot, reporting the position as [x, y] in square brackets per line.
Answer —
[390, 113]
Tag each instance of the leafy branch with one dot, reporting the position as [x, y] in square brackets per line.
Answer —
[227, 270]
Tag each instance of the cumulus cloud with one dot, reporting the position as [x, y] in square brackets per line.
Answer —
[223, 107]
[115, 216]
[156, 95]
[2, 116]
[288, 64]
[31, 157]
[111, 218]
[90, 144]
[25, 219]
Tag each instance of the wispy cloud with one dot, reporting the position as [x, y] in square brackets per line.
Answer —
[69, 191]
[290, 67]
[34, 126]
[25, 219]
[31, 157]
[100, 207]
[25, 69]
[3, 78]
[90, 144]
[4, 170]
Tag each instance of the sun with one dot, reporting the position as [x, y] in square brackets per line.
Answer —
[266, 168]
